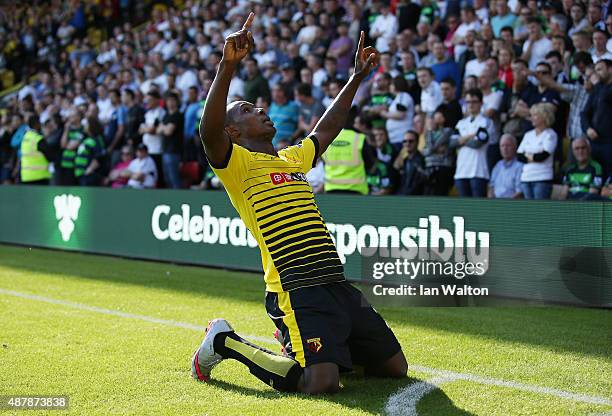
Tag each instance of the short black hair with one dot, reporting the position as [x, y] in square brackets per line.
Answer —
[554, 54]
[475, 92]
[546, 64]
[607, 62]
[583, 58]
[173, 95]
[521, 61]
[129, 92]
[426, 69]
[507, 29]
[600, 31]
[534, 19]
[304, 89]
[449, 81]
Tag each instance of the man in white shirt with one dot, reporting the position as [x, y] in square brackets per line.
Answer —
[153, 117]
[477, 65]
[537, 45]
[384, 28]
[185, 79]
[431, 94]
[471, 138]
[142, 170]
[105, 107]
[469, 22]
[600, 51]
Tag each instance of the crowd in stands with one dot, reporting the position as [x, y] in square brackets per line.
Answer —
[478, 98]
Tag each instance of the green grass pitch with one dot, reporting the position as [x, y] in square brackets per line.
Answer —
[85, 326]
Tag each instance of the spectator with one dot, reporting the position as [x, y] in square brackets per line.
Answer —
[576, 93]
[171, 129]
[478, 64]
[310, 110]
[380, 99]
[284, 114]
[469, 23]
[341, 49]
[536, 152]
[583, 178]
[471, 138]
[410, 163]
[255, 85]
[606, 190]
[52, 133]
[503, 18]
[555, 60]
[143, 171]
[537, 45]
[88, 162]
[524, 95]
[114, 129]
[384, 28]
[450, 107]
[579, 20]
[34, 165]
[152, 118]
[120, 174]
[193, 112]
[382, 176]
[408, 70]
[6, 151]
[444, 67]
[71, 139]
[600, 51]
[134, 117]
[596, 120]
[306, 78]
[400, 112]
[506, 175]
[431, 95]
[438, 156]
[288, 81]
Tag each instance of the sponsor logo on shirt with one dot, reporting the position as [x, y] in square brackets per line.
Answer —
[282, 177]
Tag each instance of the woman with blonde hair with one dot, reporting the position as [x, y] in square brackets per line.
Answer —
[537, 152]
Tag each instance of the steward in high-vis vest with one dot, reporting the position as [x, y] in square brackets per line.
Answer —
[345, 169]
[34, 164]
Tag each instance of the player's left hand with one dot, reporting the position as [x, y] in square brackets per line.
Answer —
[366, 59]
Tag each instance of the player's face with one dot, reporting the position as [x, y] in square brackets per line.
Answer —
[251, 121]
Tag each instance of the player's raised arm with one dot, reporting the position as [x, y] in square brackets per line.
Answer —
[212, 125]
[335, 117]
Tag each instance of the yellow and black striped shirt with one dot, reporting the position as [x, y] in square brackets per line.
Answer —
[276, 203]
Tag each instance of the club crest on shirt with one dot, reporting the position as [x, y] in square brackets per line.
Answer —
[282, 177]
[314, 344]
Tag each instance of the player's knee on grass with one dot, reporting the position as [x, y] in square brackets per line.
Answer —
[320, 379]
[394, 367]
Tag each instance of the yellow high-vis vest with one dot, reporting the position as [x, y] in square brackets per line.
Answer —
[34, 165]
[344, 166]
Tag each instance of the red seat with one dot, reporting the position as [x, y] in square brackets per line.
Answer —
[190, 173]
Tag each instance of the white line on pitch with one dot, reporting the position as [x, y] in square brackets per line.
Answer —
[440, 373]
[513, 384]
[404, 401]
[120, 314]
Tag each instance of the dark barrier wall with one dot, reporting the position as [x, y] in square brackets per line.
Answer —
[540, 250]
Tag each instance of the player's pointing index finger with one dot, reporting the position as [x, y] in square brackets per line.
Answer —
[247, 24]
[360, 44]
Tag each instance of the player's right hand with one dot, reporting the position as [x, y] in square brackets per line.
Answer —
[239, 44]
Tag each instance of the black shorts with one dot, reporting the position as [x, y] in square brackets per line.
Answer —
[331, 323]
